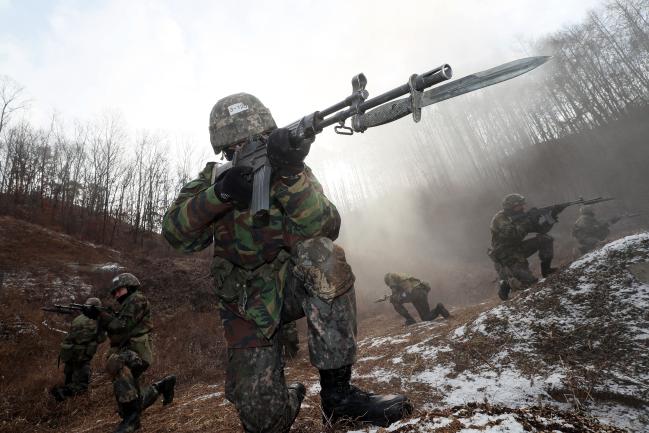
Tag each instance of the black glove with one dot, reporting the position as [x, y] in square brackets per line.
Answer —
[90, 311]
[286, 157]
[235, 186]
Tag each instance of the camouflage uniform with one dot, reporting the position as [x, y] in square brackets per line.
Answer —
[130, 351]
[268, 276]
[510, 250]
[77, 350]
[290, 339]
[588, 230]
[406, 288]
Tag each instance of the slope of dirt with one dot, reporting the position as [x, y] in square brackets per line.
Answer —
[468, 374]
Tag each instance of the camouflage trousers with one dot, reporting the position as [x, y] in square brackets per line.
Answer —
[515, 269]
[255, 381]
[77, 377]
[289, 339]
[125, 368]
[419, 299]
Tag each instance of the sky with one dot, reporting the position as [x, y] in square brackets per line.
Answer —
[163, 64]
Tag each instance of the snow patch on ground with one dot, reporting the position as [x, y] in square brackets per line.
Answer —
[522, 352]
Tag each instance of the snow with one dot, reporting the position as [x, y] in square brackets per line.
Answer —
[605, 304]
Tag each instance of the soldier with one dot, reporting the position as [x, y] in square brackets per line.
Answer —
[270, 274]
[406, 288]
[510, 250]
[77, 350]
[130, 351]
[290, 339]
[588, 230]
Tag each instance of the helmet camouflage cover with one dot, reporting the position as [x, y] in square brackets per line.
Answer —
[93, 301]
[124, 280]
[512, 200]
[236, 118]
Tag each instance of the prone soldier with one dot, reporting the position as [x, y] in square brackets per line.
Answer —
[130, 351]
[272, 272]
[77, 350]
[406, 288]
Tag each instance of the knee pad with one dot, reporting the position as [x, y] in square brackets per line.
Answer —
[322, 268]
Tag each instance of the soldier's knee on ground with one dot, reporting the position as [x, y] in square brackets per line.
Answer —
[321, 266]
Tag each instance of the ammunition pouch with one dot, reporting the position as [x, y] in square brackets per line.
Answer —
[323, 269]
[232, 283]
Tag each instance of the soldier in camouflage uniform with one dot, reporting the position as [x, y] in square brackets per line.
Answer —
[77, 350]
[290, 339]
[588, 230]
[510, 250]
[406, 288]
[267, 275]
[130, 351]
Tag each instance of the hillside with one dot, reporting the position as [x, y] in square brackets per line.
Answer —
[569, 355]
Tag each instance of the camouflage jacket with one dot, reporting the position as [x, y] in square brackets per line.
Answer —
[250, 262]
[588, 230]
[80, 344]
[402, 285]
[507, 236]
[130, 326]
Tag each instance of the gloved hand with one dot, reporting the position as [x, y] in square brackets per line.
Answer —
[90, 311]
[235, 186]
[285, 157]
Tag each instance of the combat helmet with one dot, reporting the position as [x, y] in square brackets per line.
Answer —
[587, 210]
[236, 118]
[93, 301]
[124, 280]
[512, 200]
[388, 278]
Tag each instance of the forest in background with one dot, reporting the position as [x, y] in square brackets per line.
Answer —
[100, 182]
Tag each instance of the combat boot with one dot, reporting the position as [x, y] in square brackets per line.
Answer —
[546, 269]
[166, 388]
[130, 413]
[341, 400]
[441, 309]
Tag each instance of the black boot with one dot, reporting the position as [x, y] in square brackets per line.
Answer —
[59, 393]
[503, 291]
[130, 413]
[439, 309]
[166, 388]
[546, 269]
[340, 399]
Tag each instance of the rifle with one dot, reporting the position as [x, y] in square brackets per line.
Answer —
[617, 218]
[68, 309]
[367, 113]
[547, 216]
[64, 309]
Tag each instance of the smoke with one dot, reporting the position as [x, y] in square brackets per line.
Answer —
[418, 198]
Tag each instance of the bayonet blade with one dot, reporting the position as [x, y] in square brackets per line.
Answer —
[482, 79]
[391, 111]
